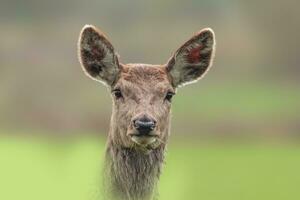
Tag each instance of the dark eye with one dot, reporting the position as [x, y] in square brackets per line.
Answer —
[169, 96]
[117, 93]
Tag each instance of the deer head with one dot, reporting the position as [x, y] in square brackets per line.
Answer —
[142, 93]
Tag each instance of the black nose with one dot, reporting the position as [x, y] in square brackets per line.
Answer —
[144, 125]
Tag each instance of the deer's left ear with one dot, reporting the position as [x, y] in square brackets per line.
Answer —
[193, 59]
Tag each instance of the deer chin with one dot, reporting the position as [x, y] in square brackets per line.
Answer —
[143, 140]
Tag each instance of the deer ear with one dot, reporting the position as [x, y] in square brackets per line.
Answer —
[97, 56]
[193, 59]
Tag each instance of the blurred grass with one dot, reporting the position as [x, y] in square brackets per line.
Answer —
[254, 100]
[39, 168]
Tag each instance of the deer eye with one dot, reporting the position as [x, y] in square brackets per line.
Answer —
[117, 93]
[169, 96]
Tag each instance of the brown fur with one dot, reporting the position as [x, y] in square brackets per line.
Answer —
[133, 163]
[132, 174]
[134, 170]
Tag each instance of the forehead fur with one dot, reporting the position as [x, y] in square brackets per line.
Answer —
[144, 73]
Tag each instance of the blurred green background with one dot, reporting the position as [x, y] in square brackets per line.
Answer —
[235, 134]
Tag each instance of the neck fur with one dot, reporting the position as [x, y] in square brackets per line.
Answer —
[131, 174]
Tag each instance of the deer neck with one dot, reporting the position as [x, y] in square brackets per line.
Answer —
[130, 173]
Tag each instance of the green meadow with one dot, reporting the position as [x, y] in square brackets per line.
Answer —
[35, 169]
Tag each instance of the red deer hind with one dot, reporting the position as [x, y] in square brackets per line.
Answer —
[141, 94]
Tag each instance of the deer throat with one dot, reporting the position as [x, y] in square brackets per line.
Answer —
[132, 174]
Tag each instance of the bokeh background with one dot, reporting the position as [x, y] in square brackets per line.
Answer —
[235, 134]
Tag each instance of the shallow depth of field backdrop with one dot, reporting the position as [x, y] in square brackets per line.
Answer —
[235, 134]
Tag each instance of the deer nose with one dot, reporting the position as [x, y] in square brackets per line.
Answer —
[144, 125]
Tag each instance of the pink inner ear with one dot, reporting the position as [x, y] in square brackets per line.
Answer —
[97, 52]
[194, 55]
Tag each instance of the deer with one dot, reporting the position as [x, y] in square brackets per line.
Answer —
[141, 96]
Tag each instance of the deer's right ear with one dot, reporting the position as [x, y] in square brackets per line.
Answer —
[97, 56]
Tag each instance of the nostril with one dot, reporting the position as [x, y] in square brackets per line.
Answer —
[153, 124]
[136, 124]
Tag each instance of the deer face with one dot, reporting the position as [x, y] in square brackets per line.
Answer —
[142, 93]
[142, 100]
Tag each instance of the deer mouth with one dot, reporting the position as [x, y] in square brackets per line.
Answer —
[143, 140]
